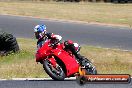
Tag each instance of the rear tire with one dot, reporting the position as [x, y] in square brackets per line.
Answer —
[8, 43]
[90, 68]
[47, 67]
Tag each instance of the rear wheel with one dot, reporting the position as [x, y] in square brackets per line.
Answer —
[90, 68]
[55, 72]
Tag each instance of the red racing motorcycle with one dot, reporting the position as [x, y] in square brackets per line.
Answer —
[60, 63]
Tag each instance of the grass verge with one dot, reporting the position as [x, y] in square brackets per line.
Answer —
[22, 64]
[89, 12]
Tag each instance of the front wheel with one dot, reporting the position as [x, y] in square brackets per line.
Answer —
[55, 72]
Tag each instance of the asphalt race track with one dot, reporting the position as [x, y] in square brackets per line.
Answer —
[104, 36]
[96, 35]
[57, 84]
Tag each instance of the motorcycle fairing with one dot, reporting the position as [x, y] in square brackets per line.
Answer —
[71, 64]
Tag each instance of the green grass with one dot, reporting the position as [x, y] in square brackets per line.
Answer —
[108, 13]
[109, 61]
[22, 64]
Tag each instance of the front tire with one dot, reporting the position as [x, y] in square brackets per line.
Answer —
[56, 73]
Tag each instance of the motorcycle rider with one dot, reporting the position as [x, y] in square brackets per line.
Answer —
[42, 35]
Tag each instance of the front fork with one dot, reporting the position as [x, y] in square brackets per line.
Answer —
[53, 61]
